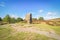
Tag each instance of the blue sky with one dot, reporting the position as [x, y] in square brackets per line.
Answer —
[39, 8]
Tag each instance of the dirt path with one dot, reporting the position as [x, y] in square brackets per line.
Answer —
[51, 34]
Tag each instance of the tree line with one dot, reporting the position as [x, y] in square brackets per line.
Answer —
[8, 19]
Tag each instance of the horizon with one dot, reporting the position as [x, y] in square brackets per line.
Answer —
[49, 9]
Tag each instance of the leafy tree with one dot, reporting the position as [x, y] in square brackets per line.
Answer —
[7, 19]
[19, 19]
[13, 20]
[0, 19]
[41, 18]
[34, 18]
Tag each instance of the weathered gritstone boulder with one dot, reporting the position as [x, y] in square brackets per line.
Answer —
[28, 18]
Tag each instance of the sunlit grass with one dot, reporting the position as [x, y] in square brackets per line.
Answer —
[47, 27]
[5, 34]
[30, 36]
[44, 27]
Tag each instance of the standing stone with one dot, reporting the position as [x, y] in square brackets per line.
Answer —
[29, 18]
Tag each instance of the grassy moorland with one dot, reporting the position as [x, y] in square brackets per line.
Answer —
[5, 34]
[22, 31]
[48, 27]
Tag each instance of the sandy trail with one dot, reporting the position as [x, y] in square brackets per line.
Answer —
[51, 34]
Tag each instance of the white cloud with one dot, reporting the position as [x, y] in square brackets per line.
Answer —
[2, 4]
[50, 15]
[14, 16]
[40, 11]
